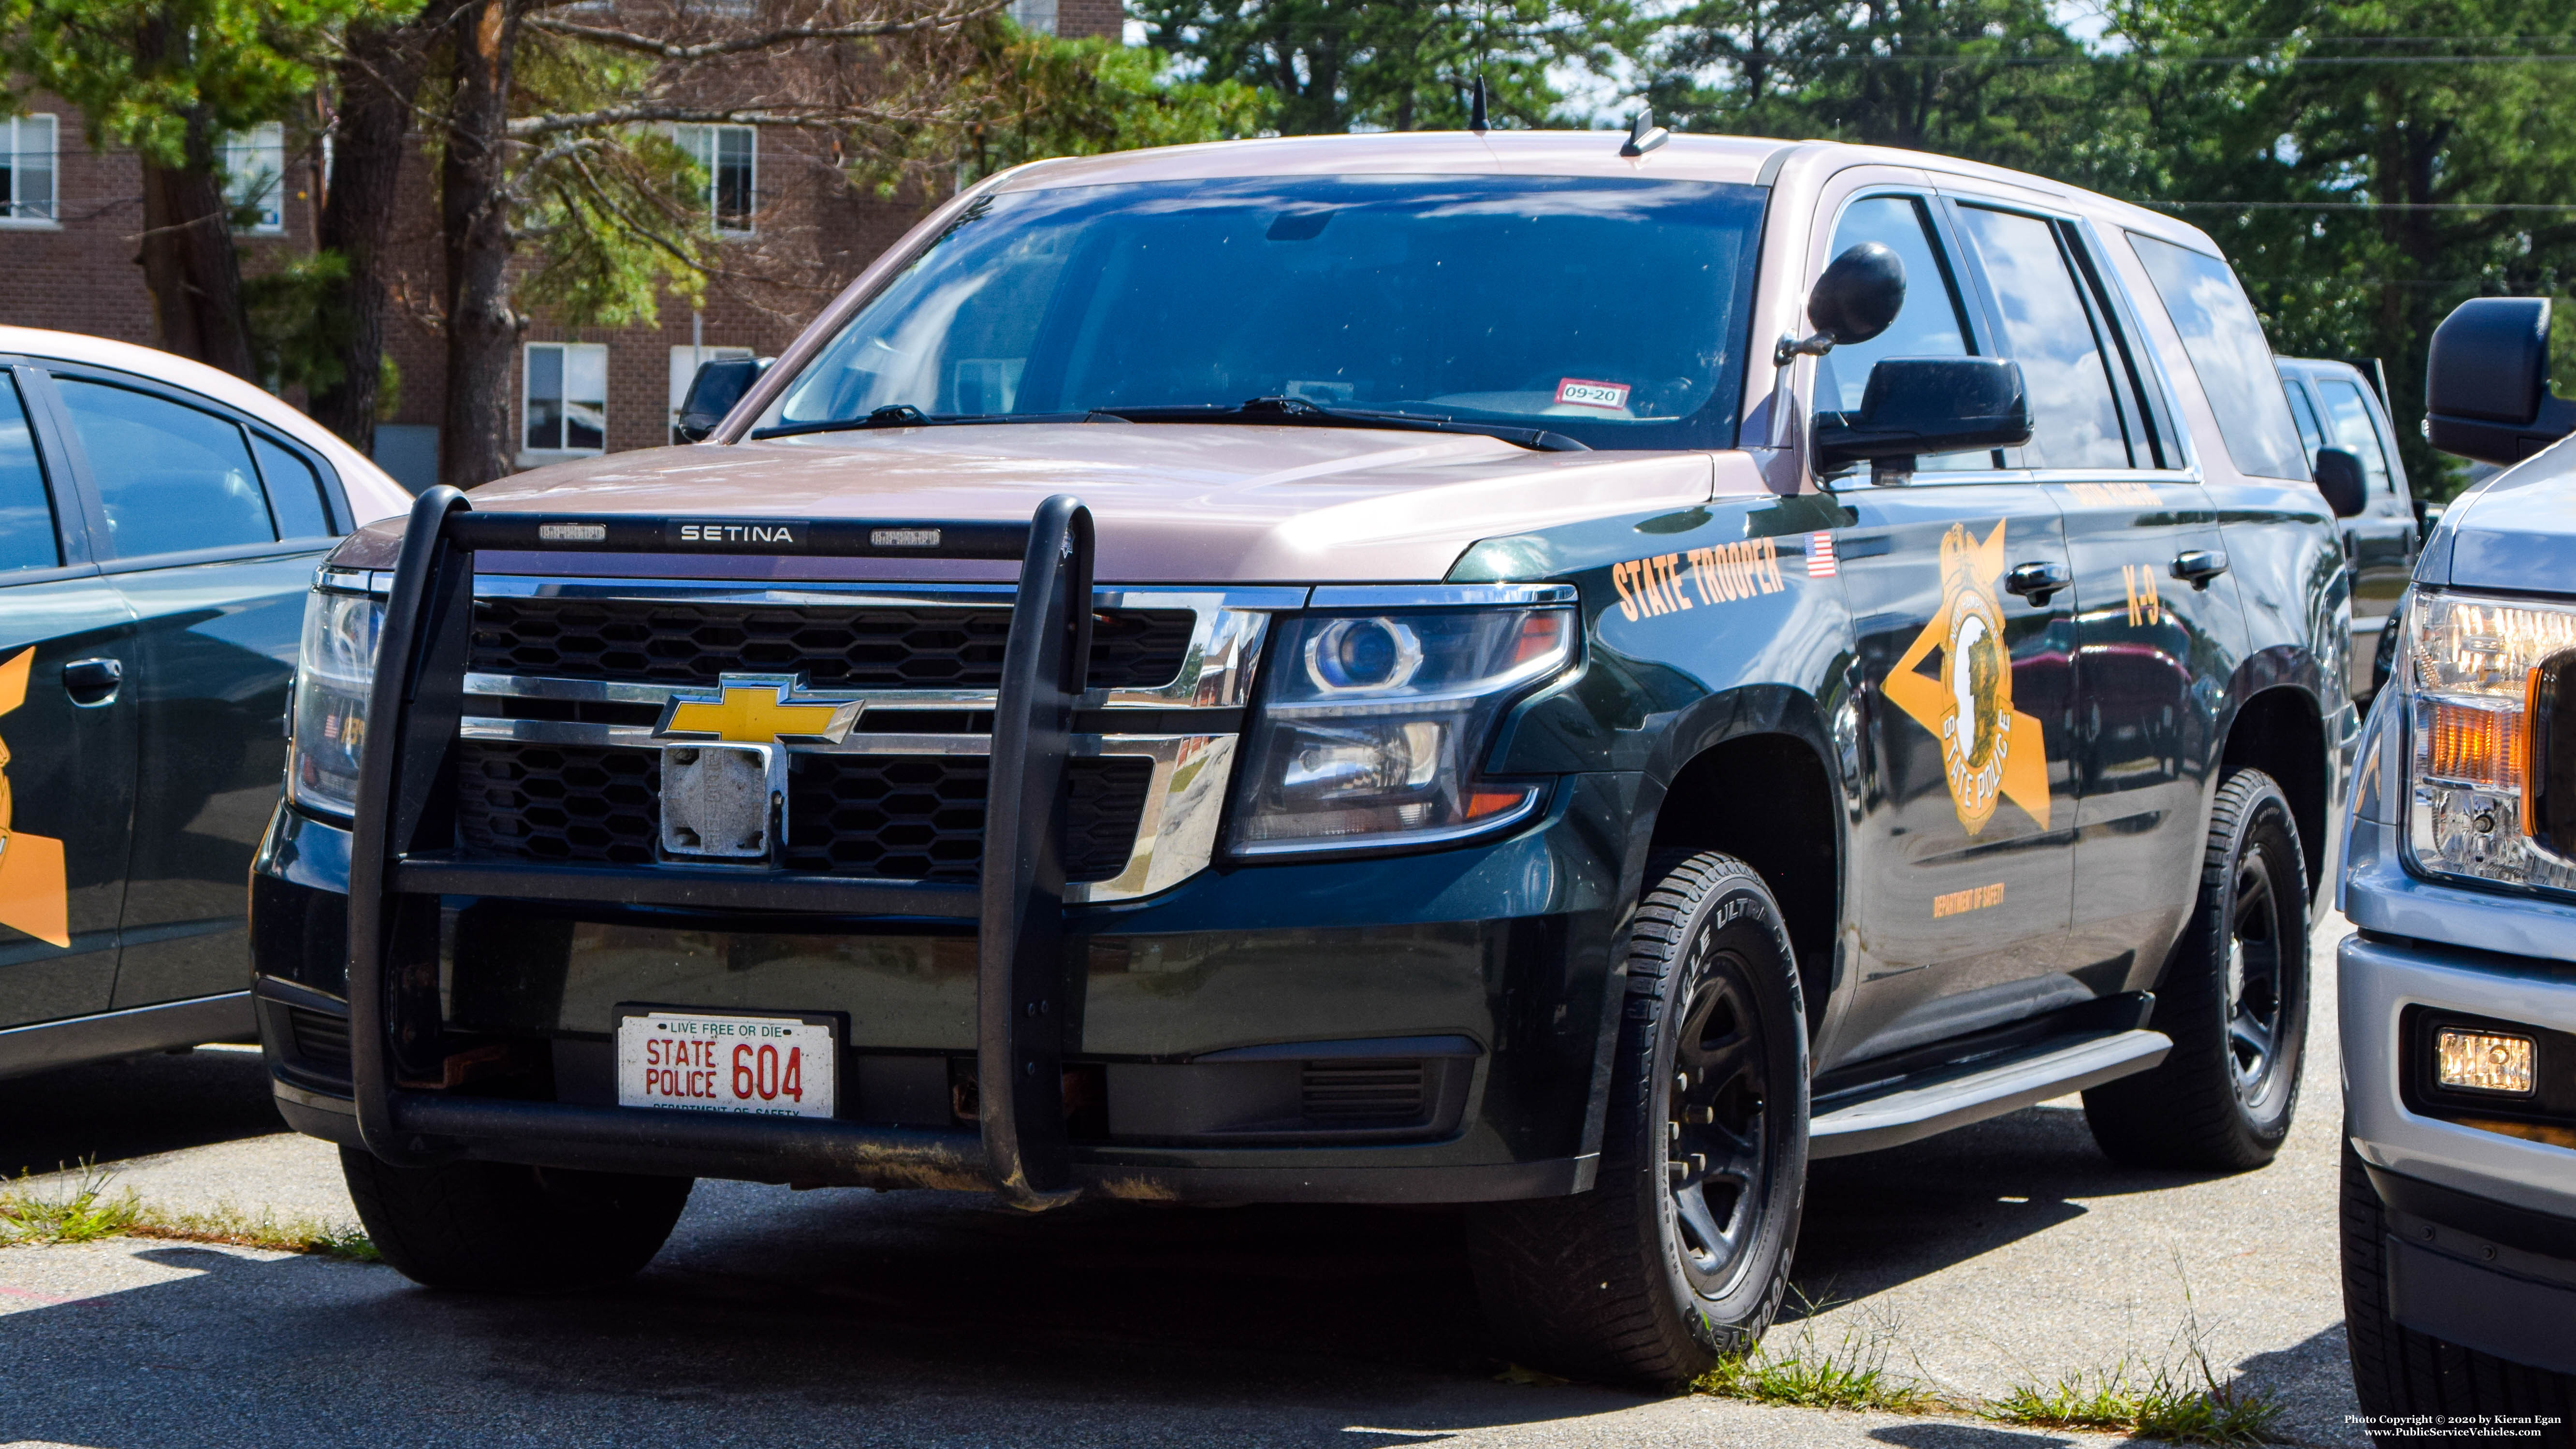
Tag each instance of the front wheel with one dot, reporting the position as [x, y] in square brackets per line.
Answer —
[497, 1227]
[2397, 1372]
[1679, 1254]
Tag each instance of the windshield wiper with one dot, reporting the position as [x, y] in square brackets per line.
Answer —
[1298, 411]
[905, 415]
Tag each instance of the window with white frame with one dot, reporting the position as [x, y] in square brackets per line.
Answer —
[27, 169]
[254, 164]
[567, 397]
[1036, 15]
[730, 156]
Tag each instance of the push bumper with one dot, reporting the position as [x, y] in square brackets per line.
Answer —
[1534, 909]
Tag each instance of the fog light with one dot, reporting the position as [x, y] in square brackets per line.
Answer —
[2478, 1061]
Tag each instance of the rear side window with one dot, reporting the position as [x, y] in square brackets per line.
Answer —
[170, 477]
[294, 490]
[2075, 420]
[2350, 417]
[2229, 356]
[27, 538]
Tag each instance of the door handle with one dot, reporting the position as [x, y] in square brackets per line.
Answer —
[93, 682]
[2036, 581]
[2197, 566]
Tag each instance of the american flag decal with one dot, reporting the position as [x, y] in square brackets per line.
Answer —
[1820, 555]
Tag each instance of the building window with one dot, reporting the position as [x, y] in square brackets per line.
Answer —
[255, 177]
[567, 404]
[27, 168]
[731, 157]
[1035, 15]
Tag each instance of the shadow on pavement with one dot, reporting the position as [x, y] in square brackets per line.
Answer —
[111, 1111]
[844, 1326]
[1887, 1218]
[1966, 1436]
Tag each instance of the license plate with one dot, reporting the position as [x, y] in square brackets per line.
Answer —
[772, 1066]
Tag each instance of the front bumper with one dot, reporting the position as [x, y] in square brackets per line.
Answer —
[1493, 959]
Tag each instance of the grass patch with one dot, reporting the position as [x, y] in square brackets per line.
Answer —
[2183, 1400]
[1850, 1374]
[263, 1229]
[83, 1208]
[77, 1210]
[2187, 1405]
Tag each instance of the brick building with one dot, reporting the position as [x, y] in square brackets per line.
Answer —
[792, 232]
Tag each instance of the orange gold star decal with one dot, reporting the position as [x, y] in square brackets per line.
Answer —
[1988, 749]
[33, 898]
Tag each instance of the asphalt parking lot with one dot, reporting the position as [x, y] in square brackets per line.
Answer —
[2009, 1252]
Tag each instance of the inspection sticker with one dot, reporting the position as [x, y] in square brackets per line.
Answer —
[1583, 392]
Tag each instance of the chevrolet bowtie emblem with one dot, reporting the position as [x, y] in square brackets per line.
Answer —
[756, 709]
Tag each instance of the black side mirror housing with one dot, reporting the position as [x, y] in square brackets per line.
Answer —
[1916, 405]
[713, 392]
[1859, 294]
[2339, 478]
[2486, 384]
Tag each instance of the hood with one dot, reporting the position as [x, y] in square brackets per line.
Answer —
[2517, 532]
[1181, 503]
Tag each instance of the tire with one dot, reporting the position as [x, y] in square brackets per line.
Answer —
[1664, 1267]
[496, 1227]
[2397, 1371]
[2234, 999]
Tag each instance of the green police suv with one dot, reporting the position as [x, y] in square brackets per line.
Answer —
[1563, 673]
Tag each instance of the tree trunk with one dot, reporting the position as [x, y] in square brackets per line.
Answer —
[188, 261]
[380, 75]
[482, 331]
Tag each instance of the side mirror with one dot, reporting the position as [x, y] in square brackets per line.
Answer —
[1859, 294]
[1919, 405]
[713, 392]
[2339, 478]
[2486, 384]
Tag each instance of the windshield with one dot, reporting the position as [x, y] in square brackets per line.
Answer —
[1612, 311]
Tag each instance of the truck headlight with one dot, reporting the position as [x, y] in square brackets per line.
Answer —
[2480, 676]
[334, 671]
[1372, 725]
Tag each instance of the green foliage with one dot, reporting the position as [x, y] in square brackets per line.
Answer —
[1851, 1374]
[613, 215]
[1997, 80]
[299, 319]
[2184, 1404]
[77, 1207]
[1393, 65]
[143, 70]
[78, 1210]
[1042, 96]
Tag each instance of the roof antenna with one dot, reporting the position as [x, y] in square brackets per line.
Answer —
[1476, 105]
[1643, 134]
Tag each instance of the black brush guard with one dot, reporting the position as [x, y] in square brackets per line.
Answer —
[403, 860]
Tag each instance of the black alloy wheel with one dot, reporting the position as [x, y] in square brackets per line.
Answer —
[1718, 1161]
[2256, 985]
[2234, 998]
[1679, 1254]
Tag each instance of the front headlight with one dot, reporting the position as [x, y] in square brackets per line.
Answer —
[334, 671]
[1372, 726]
[2480, 676]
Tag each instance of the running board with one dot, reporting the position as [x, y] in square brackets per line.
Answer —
[1923, 1104]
